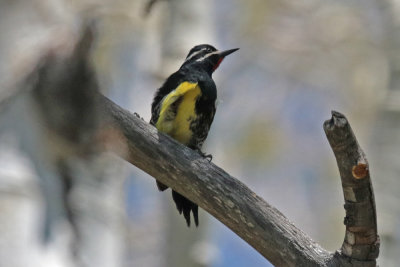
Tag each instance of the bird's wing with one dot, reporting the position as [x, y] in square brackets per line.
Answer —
[169, 85]
[170, 99]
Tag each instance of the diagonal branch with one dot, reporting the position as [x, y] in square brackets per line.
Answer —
[233, 203]
[214, 190]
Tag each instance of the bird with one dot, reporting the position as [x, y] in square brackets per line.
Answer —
[184, 108]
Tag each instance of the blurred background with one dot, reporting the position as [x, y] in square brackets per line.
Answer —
[298, 60]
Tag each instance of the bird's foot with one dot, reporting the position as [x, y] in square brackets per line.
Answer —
[209, 157]
[138, 116]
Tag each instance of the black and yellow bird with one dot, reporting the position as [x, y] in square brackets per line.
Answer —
[184, 108]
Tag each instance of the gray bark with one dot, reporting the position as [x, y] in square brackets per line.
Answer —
[361, 241]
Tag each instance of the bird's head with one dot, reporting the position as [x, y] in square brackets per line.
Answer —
[207, 57]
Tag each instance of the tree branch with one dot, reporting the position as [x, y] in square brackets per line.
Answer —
[361, 238]
[235, 205]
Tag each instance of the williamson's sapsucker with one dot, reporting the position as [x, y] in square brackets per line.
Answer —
[184, 108]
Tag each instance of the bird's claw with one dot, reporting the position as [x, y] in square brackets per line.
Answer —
[209, 157]
[138, 116]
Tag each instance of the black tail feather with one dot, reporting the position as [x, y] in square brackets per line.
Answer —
[195, 211]
[161, 186]
[185, 205]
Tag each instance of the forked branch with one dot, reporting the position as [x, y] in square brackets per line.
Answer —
[235, 205]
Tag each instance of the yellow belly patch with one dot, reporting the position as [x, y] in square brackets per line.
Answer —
[178, 126]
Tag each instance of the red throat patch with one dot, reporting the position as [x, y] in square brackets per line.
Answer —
[218, 63]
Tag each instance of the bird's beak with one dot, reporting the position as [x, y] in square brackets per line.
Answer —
[223, 54]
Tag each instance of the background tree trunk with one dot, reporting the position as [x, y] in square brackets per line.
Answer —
[385, 142]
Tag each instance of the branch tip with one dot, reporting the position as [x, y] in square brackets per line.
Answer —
[337, 122]
[361, 241]
[337, 114]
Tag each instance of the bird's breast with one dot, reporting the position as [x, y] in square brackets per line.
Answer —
[185, 116]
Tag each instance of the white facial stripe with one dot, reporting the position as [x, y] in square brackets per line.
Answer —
[195, 53]
[206, 56]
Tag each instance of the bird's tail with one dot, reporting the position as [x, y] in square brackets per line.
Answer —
[161, 186]
[185, 205]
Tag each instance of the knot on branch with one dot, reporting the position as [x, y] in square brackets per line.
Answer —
[360, 170]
